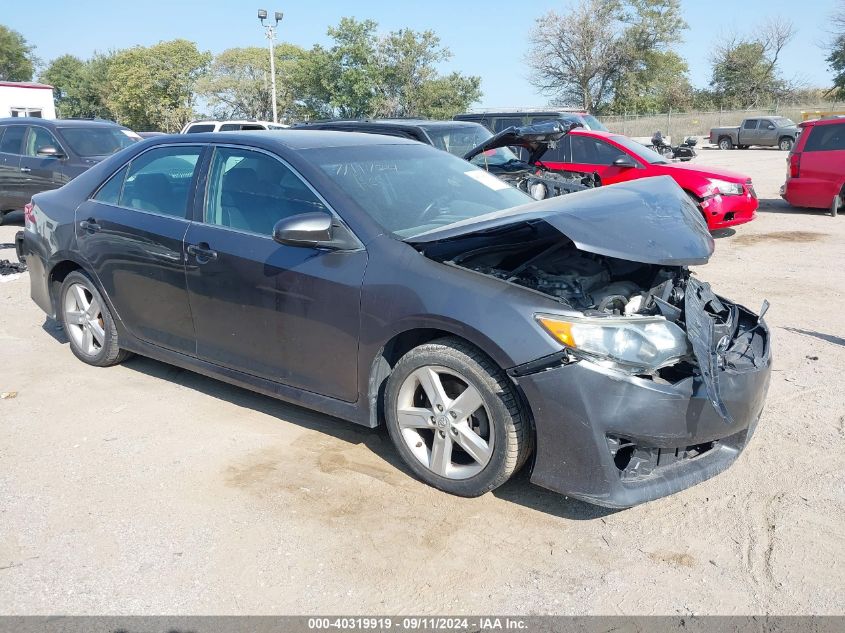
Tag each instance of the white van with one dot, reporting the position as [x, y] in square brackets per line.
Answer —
[195, 127]
[21, 99]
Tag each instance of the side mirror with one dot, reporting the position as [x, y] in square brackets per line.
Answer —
[771, 127]
[50, 151]
[304, 229]
[625, 161]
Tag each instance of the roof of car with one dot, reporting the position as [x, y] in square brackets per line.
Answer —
[521, 112]
[823, 121]
[296, 139]
[60, 122]
[399, 123]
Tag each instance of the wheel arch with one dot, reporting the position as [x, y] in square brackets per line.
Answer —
[404, 341]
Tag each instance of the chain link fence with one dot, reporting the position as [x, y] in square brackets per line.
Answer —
[682, 124]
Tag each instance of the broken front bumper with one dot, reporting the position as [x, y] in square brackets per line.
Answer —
[618, 440]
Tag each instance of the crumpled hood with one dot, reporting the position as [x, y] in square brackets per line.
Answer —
[534, 138]
[649, 220]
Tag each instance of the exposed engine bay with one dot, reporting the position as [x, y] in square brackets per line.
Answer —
[540, 183]
[720, 335]
[584, 281]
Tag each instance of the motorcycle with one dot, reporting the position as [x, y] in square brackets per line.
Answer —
[684, 152]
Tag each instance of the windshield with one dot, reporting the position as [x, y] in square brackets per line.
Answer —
[98, 141]
[782, 121]
[459, 140]
[594, 123]
[411, 189]
[640, 151]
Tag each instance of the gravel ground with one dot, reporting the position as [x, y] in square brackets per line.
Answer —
[147, 489]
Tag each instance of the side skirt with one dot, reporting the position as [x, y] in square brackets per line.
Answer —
[351, 411]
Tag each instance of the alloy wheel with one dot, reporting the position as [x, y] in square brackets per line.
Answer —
[83, 317]
[444, 422]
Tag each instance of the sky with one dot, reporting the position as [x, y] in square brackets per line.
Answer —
[488, 39]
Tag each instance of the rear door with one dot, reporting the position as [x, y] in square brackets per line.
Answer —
[41, 173]
[823, 163]
[12, 189]
[285, 313]
[747, 134]
[132, 231]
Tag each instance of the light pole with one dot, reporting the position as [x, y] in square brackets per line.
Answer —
[270, 30]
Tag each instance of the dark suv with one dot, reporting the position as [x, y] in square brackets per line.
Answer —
[39, 154]
[498, 121]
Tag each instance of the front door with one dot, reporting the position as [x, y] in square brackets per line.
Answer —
[40, 173]
[12, 190]
[285, 313]
[132, 233]
[590, 154]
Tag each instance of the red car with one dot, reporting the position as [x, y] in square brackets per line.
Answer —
[815, 176]
[725, 198]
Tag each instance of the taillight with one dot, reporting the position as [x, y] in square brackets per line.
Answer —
[29, 215]
[794, 164]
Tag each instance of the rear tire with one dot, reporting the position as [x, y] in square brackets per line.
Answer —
[472, 433]
[88, 323]
[725, 143]
[2, 216]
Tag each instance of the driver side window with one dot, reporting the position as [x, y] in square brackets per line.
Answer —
[251, 191]
[38, 138]
[592, 151]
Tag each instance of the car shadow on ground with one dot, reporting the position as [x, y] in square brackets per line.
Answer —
[13, 217]
[778, 205]
[828, 338]
[518, 490]
[718, 234]
[55, 329]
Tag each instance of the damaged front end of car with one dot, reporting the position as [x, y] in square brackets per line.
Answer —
[530, 175]
[658, 382]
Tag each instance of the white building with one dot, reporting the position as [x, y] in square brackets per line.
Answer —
[26, 99]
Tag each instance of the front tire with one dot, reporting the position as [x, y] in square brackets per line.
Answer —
[455, 418]
[835, 205]
[88, 322]
[725, 143]
[786, 144]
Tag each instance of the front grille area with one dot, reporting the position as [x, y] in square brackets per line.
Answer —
[636, 461]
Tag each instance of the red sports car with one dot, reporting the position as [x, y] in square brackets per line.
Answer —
[725, 198]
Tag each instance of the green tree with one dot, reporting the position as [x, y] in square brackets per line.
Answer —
[745, 70]
[364, 74]
[600, 47]
[238, 82]
[661, 85]
[79, 86]
[153, 88]
[17, 61]
[836, 57]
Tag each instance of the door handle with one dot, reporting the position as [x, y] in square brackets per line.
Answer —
[25, 170]
[89, 225]
[202, 252]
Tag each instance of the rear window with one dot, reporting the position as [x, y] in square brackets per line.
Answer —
[204, 127]
[12, 139]
[826, 138]
[98, 141]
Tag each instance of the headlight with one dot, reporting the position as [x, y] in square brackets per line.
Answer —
[538, 191]
[629, 344]
[726, 188]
